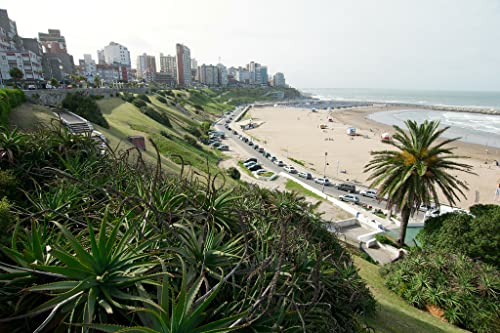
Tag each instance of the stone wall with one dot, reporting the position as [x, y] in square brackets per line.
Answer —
[54, 97]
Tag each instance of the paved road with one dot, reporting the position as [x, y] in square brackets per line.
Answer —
[233, 139]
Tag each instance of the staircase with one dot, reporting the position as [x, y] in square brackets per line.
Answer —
[77, 128]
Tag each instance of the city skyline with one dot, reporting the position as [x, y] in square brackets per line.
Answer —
[445, 45]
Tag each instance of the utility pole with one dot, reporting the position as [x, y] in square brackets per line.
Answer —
[324, 175]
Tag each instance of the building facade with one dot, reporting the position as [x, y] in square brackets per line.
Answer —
[15, 51]
[146, 67]
[255, 73]
[183, 57]
[279, 80]
[115, 53]
[168, 64]
[223, 75]
[208, 74]
[55, 53]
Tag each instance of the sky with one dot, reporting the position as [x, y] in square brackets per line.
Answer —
[392, 44]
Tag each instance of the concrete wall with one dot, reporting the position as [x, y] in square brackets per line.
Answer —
[54, 97]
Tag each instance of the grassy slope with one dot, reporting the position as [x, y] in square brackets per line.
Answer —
[27, 115]
[395, 315]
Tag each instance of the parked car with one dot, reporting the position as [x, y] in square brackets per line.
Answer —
[249, 164]
[31, 87]
[256, 147]
[216, 144]
[223, 147]
[235, 133]
[425, 208]
[280, 163]
[250, 143]
[349, 198]
[322, 181]
[346, 187]
[260, 171]
[251, 159]
[255, 167]
[305, 175]
[290, 169]
[369, 193]
[261, 150]
[274, 158]
[267, 154]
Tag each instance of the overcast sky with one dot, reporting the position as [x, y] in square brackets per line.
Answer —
[420, 44]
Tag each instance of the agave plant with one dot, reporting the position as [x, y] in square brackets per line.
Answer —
[182, 311]
[92, 281]
[10, 143]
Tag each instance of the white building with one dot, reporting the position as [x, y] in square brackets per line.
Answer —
[90, 65]
[115, 53]
[184, 75]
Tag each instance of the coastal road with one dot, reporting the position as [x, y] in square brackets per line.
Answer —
[233, 139]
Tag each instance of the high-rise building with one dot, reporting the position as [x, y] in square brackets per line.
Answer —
[57, 62]
[223, 80]
[209, 75]
[168, 64]
[87, 66]
[279, 80]
[101, 60]
[255, 72]
[184, 74]
[115, 53]
[242, 75]
[146, 67]
[194, 63]
[264, 77]
[15, 51]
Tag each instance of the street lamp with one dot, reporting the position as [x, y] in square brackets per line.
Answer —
[324, 174]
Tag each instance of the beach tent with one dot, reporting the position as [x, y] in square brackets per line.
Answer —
[385, 137]
[351, 131]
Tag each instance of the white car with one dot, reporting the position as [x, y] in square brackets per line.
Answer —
[349, 198]
[305, 175]
[322, 181]
[259, 172]
[249, 164]
[369, 193]
[290, 169]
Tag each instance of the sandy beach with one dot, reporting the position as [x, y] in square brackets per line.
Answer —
[294, 133]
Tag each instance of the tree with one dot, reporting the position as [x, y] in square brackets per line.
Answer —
[412, 173]
[53, 82]
[16, 73]
[97, 81]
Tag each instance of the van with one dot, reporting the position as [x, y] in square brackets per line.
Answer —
[346, 187]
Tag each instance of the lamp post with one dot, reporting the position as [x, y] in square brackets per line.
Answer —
[324, 174]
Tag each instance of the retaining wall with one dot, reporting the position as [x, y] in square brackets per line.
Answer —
[54, 97]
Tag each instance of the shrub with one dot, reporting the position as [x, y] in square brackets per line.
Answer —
[194, 130]
[85, 107]
[9, 98]
[234, 173]
[191, 141]
[157, 116]
[8, 184]
[161, 100]
[139, 103]
[7, 221]
[467, 291]
[476, 236]
[161, 93]
[144, 98]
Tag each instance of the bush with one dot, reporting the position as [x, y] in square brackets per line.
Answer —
[161, 100]
[7, 221]
[467, 291]
[194, 130]
[161, 93]
[139, 103]
[157, 116]
[234, 173]
[8, 184]
[144, 98]
[476, 236]
[85, 107]
[9, 98]
[191, 141]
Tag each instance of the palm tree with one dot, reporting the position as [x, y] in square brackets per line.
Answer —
[412, 174]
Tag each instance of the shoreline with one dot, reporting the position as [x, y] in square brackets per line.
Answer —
[294, 133]
[433, 107]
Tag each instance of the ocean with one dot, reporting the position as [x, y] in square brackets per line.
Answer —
[483, 129]
[470, 99]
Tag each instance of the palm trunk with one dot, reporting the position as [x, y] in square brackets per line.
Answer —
[405, 217]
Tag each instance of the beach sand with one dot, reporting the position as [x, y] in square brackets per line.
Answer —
[294, 133]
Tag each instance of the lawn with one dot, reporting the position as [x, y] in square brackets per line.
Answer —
[395, 315]
[293, 186]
